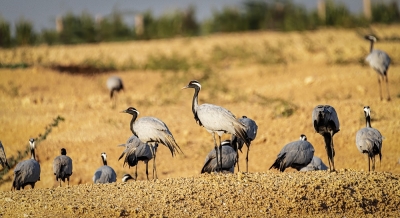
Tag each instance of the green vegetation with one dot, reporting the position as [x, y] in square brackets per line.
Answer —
[13, 161]
[281, 15]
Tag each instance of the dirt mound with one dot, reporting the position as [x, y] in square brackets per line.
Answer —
[342, 193]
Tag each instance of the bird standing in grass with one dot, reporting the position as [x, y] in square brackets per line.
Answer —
[379, 61]
[369, 140]
[326, 123]
[152, 130]
[27, 172]
[216, 119]
[62, 166]
[237, 143]
[104, 174]
[297, 154]
[114, 84]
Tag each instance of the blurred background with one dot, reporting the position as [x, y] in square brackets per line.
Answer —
[94, 21]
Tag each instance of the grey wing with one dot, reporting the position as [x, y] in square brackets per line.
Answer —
[104, 174]
[27, 171]
[299, 154]
[315, 164]
[333, 116]
[134, 140]
[228, 157]
[216, 118]
[62, 162]
[251, 127]
[210, 162]
[3, 157]
[366, 138]
[379, 60]
[143, 152]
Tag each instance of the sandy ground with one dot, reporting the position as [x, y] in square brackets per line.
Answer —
[31, 98]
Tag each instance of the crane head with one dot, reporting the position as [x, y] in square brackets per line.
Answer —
[194, 84]
[303, 137]
[367, 111]
[131, 110]
[63, 151]
[371, 38]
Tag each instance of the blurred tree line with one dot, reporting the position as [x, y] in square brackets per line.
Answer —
[280, 15]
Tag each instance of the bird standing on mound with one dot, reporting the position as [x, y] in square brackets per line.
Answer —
[237, 143]
[27, 172]
[62, 166]
[153, 131]
[135, 151]
[379, 61]
[104, 174]
[216, 119]
[369, 140]
[297, 154]
[326, 123]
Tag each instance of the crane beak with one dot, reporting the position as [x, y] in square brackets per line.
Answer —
[185, 87]
[124, 111]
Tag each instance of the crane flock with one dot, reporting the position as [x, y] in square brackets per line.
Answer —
[148, 132]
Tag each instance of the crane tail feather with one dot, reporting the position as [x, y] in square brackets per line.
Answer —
[172, 145]
[240, 131]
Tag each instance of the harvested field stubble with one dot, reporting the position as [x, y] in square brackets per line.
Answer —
[278, 82]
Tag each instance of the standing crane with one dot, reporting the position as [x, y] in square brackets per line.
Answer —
[114, 84]
[104, 174]
[216, 119]
[62, 166]
[237, 143]
[369, 140]
[379, 61]
[326, 123]
[297, 154]
[135, 151]
[27, 172]
[153, 131]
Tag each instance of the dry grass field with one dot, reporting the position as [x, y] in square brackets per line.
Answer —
[274, 78]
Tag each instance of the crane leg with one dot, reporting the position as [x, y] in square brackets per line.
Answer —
[329, 150]
[387, 87]
[216, 148]
[147, 170]
[220, 154]
[373, 163]
[237, 159]
[247, 159]
[136, 170]
[153, 152]
[380, 87]
[369, 167]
